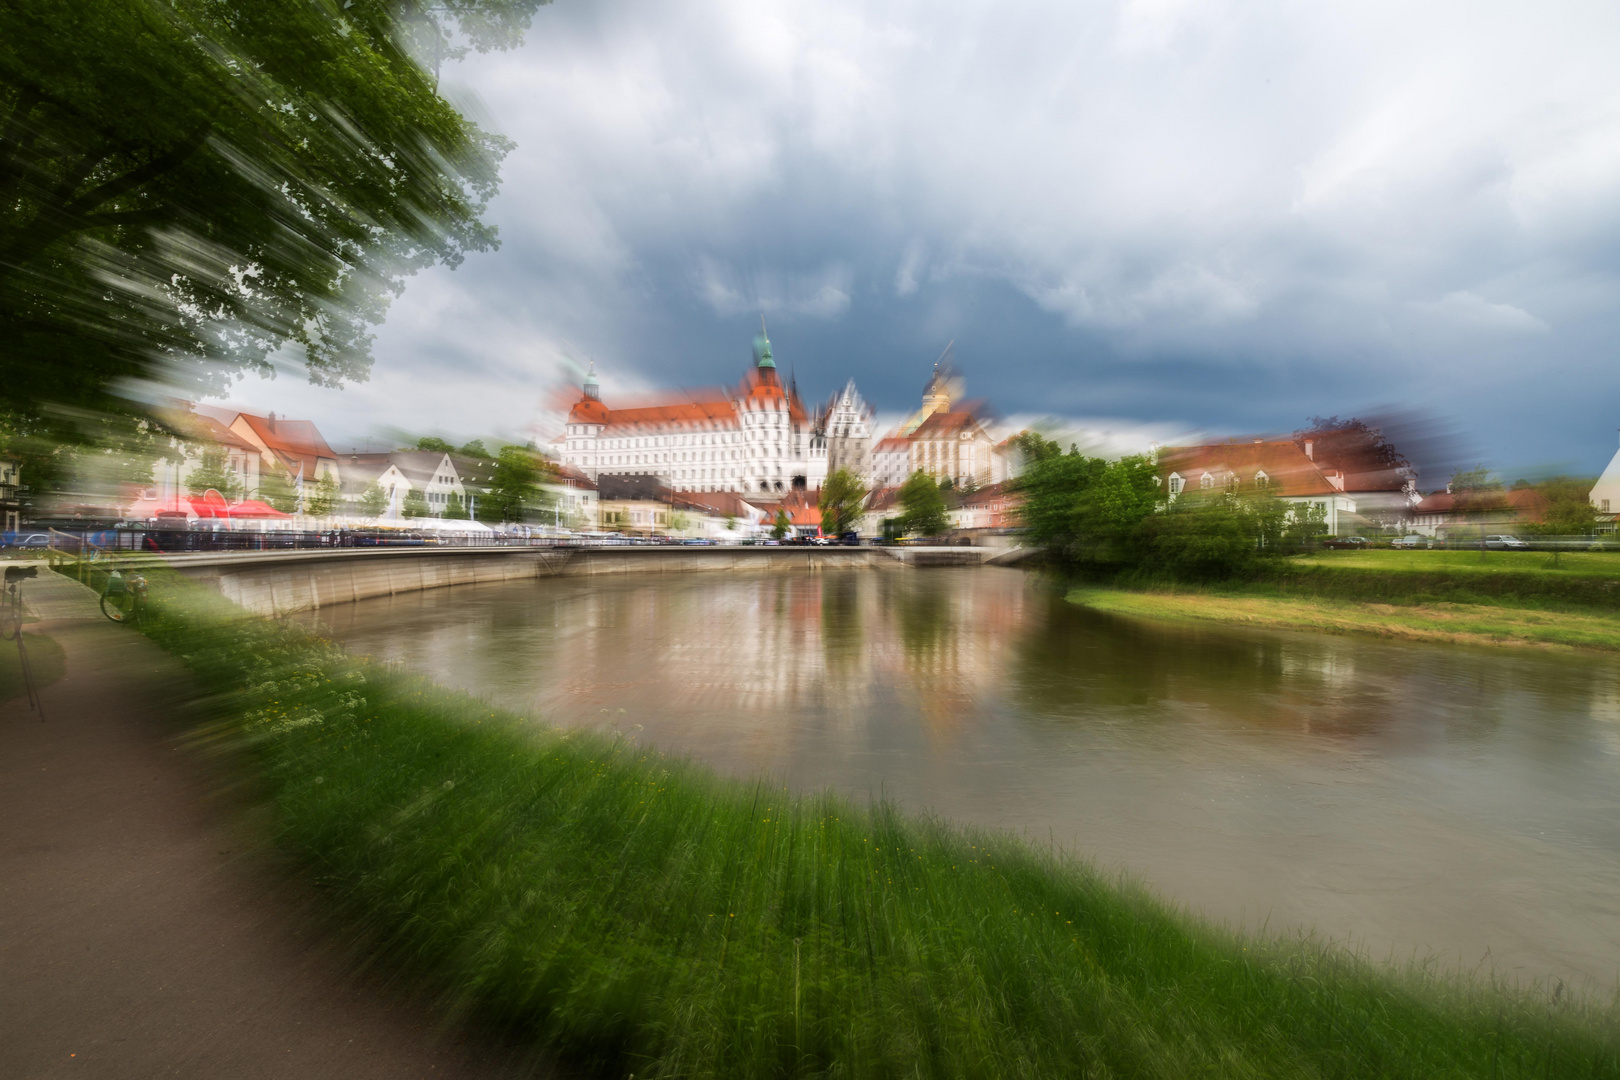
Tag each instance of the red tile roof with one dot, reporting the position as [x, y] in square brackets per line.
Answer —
[209, 428]
[944, 424]
[895, 443]
[719, 503]
[883, 499]
[1527, 503]
[299, 438]
[1288, 470]
[715, 406]
[573, 477]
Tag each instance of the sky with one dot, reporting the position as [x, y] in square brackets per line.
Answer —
[1151, 218]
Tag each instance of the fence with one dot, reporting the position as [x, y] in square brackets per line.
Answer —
[168, 541]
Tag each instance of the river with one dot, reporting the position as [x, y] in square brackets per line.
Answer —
[1452, 803]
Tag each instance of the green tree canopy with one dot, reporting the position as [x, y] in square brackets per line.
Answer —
[323, 500]
[456, 509]
[474, 448]
[515, 493]
[1569, 506]
[1479, 478]
[923, 507]
[373, 500]
[780, 527]
[434, 443]
[213, 471]
[842, 497]
[278, 489]
[1033, 447]
[190, 188]
[415, 504]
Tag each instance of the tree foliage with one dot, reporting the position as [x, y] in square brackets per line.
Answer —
[373, 500]
[514, 493]
[842, 498]
[1569, 509]
[279, 489]
[922, 505]
[1352, 445]
[213, 471]
[456, 508]
[1114, 516]
[1033, 448]
[433, 443]
[415, 504]
[324, 498]
[780, 526]
[1479, 478]
[190, 188]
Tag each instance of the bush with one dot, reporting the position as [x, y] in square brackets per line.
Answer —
[1198, 538]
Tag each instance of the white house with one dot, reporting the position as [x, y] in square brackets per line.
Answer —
[398, 474]
[1279, 467]
[1606, 492]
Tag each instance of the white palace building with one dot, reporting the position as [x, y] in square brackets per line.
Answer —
[757, 439]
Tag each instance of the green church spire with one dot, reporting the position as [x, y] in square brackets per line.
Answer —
[762, 347]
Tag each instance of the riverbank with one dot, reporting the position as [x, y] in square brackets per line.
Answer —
[1476, 624]
[1474, 597]
[635, 913]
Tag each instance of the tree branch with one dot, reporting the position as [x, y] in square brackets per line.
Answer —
[12, 143]
[53, 223]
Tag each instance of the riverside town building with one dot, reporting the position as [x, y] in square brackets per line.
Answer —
[756, 439]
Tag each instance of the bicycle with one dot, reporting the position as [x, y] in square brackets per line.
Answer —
[11, 629]
[124, 599]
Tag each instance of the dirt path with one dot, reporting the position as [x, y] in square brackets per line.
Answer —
[143, 933]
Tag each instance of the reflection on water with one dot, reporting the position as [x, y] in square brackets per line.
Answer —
[1411, 798]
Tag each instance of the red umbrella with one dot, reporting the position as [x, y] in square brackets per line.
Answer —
[254, 508]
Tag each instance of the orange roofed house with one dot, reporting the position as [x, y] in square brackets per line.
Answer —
[1469, 515]
[1281, 467]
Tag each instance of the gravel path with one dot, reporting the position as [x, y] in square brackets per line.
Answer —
[144, 931]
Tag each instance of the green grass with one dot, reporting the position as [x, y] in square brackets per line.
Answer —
[1480, 624]
[1591, 564]
[634, 913]
[44, 656]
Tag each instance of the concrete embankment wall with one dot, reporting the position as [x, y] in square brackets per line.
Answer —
[279, 582]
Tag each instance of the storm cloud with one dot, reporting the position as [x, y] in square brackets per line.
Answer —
[1195, 214]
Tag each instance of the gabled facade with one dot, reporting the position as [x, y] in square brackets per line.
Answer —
[953, 446]
[1606, 494]
[398, 474]
[294, 446]
[847, 426]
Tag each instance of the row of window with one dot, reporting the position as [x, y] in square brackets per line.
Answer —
[1207, 481]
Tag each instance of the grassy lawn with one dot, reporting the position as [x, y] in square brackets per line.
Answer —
[1600, 564]
[45, 657]
[636, 914]
[1476, 623]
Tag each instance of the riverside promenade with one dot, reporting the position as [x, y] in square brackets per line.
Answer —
[146, 928]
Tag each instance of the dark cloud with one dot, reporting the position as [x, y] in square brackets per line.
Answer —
[1219, 215]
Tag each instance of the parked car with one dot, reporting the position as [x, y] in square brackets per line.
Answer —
[1505, 543]
[1350, 542]
[25, 540]
[1412, 541]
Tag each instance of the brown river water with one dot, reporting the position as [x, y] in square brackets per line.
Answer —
[1440, 802]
